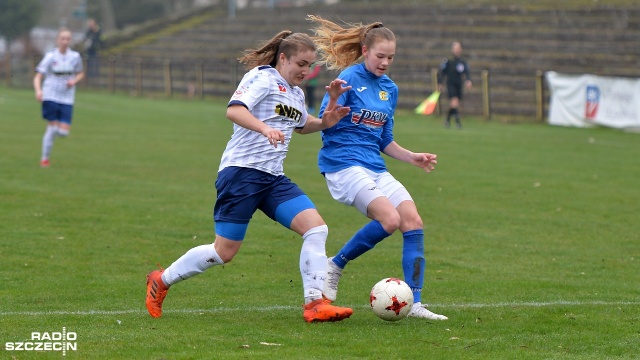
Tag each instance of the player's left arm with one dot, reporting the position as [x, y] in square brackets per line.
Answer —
[79, 74]
[426, 161]
[332, 113]
[76, 79]
[467, 75]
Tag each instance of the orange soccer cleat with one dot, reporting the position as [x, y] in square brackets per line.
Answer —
[156, 291]
[321, 310]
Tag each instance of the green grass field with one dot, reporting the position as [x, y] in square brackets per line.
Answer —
[532, 241]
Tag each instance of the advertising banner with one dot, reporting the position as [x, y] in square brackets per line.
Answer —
[587, 100]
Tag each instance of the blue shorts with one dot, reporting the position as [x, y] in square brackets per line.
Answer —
[53, 111]
[242, 191]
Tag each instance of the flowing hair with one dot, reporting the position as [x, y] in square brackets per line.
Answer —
[339, 46]
[285, 42]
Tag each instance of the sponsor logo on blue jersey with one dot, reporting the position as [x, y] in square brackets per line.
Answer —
[369, 118]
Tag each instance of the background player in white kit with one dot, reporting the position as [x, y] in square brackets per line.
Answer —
[266, 108]
[61, 69]
[351, 160]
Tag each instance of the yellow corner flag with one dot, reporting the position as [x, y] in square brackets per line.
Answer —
[429, 104]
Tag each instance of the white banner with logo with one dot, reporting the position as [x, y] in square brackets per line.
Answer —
[587, 100]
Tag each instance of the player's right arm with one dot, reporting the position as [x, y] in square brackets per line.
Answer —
[442, 73]
[37, 86]
[41, 69]
[243, 117]
[247, 97]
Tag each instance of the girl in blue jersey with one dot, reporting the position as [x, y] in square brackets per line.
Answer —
[350, 157]
[267, 107]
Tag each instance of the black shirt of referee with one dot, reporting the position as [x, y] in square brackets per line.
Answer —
[457, 72]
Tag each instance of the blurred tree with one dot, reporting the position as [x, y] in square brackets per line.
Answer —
[108, 19]
[17, 18]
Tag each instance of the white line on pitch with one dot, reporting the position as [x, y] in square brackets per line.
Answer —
[278, 308]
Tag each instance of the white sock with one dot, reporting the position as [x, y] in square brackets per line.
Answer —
[47, 141]
[194, 262]
[313, 262]
[62, 132]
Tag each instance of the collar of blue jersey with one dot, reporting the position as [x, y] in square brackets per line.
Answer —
[369, 73]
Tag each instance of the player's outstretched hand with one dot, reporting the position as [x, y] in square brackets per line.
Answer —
[424, 160]
[334, 111]
[330, 117]
[335, 88]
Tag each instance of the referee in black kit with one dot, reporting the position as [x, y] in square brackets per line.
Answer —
[456, 70]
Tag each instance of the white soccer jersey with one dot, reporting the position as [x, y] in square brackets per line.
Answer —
[271, 99]
[57, 69]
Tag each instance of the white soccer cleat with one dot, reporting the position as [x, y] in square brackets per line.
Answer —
[330, 290]
[419, 311]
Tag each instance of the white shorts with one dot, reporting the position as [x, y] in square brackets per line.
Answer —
[358, 187]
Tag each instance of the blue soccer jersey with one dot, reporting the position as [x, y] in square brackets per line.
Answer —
[359, 138]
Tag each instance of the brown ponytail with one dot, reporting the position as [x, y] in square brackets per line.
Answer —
[286, 42]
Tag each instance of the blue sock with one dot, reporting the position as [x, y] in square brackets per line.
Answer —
[413, 261]
[364, 240]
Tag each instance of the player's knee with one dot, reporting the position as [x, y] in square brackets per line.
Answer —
[391, 221]
[411, 221]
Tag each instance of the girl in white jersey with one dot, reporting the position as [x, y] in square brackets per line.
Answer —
[351, 159]
[267, 107]
[61, 69]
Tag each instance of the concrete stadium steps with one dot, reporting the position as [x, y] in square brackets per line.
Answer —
[511, 42]
[140, 76]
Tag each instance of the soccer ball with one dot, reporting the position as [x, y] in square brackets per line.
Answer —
[391, 299]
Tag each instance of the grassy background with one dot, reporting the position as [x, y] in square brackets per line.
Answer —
[532, 241]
